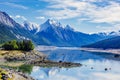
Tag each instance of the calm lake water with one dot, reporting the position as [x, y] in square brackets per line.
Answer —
[93, 68]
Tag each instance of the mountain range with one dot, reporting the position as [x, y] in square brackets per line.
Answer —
[49, 33]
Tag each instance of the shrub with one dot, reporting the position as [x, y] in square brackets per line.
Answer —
[26, 68]
[11, 45]
[25, 45]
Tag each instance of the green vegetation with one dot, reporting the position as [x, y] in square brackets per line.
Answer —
[26, 68]
[25, 45]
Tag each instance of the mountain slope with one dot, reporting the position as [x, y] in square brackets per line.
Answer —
[113, 43]
[9, 29]
[5, 34]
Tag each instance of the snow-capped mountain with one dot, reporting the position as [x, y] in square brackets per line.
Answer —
[114, 33]
[32, 27]
[54, 33]
[110, 34]
[49, 33]
[55, 25]
[50, 24]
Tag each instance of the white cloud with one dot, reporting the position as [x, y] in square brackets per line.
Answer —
[66, 9]
[87, 11]
[109, 14]
[40, 17]
[19, 17]
[81, 9]
[83, 19]
[14, 5]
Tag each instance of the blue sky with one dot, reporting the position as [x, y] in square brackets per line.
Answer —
[87, 16]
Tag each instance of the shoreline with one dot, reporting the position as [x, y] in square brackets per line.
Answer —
[113, 51]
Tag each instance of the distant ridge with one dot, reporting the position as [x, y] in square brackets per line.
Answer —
[111, 43]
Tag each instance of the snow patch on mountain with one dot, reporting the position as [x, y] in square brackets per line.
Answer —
[55, 23]
[113, 33]
[31, 26]
[68, 27]
[50, 24]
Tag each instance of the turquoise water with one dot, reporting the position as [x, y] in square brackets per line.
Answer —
[96, 66]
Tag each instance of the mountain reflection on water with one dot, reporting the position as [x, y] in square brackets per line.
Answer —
[96, 66]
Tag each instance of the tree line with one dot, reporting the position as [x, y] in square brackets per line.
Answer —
[25, 45]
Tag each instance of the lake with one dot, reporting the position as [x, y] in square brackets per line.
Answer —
[95, 66]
